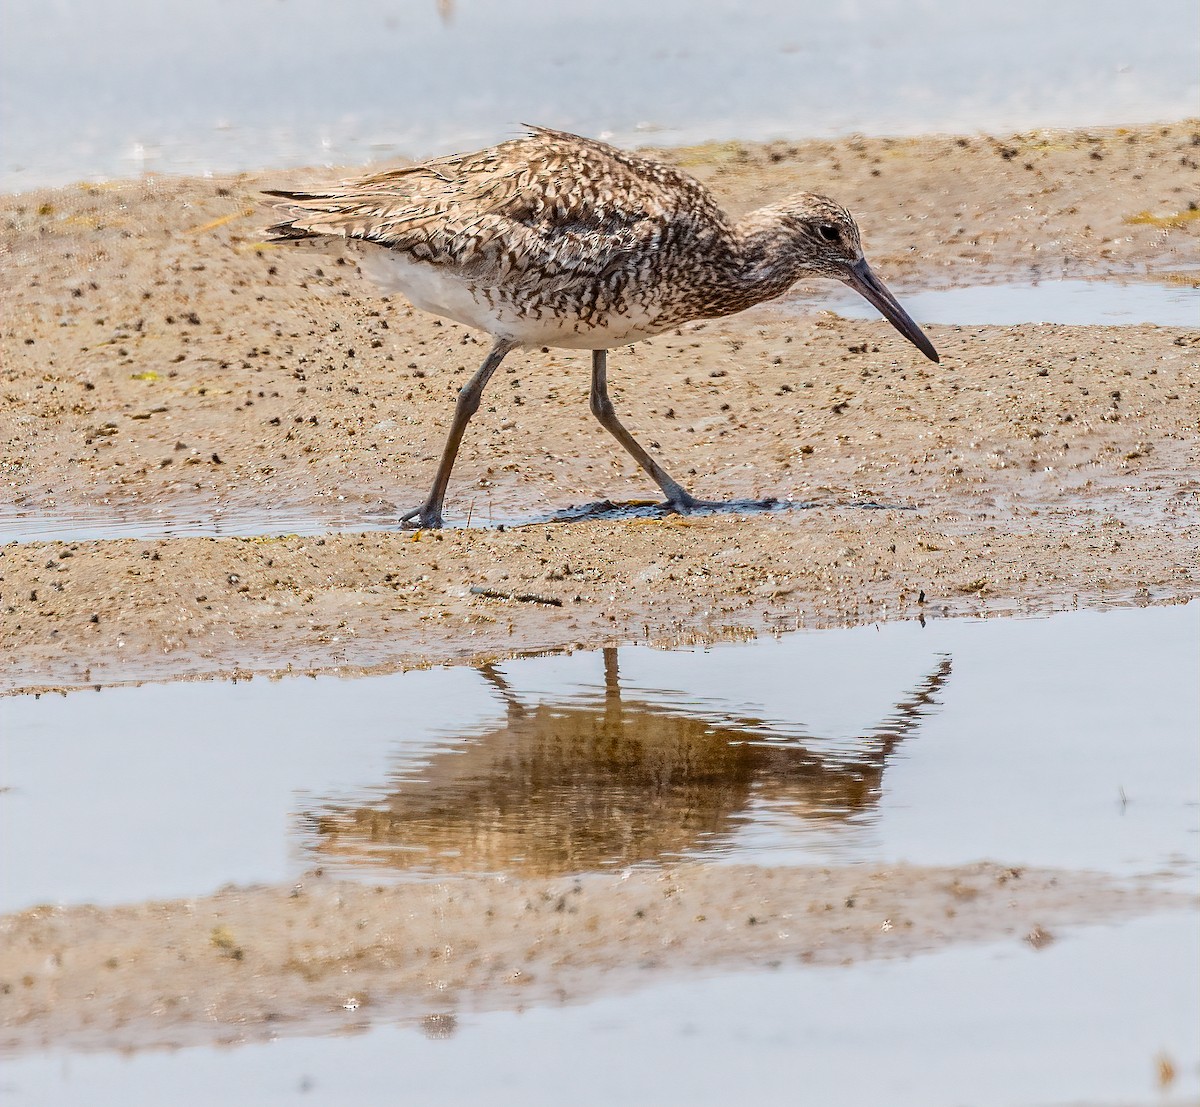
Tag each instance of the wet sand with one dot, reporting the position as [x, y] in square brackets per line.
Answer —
[244, 965]
[156, 357]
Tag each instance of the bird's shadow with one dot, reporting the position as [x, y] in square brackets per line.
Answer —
[651, 509]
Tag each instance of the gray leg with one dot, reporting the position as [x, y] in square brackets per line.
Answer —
[429, 514]
[602, 409]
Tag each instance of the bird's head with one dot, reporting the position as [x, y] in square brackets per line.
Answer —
[821, 233]
[823, 240]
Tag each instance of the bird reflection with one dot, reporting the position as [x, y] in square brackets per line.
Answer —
[605, 780]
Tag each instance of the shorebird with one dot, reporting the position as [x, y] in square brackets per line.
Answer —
[552, 239]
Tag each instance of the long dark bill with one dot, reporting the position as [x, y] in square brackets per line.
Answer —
[863, 280]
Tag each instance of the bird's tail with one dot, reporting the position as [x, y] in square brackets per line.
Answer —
[286, 230]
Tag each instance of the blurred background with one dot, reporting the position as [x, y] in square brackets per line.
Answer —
[126, 86]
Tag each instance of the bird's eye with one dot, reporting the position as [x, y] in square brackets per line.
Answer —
[828, 232]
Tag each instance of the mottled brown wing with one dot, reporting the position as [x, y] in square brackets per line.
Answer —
[552, 204]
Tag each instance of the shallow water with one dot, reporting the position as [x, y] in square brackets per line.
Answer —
[1073, 303]
[137, 85]
[1085, 1020]
[21, 523]
[1068, 741]
[202, 519]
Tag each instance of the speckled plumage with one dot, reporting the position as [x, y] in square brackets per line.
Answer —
[553, 228]
[557, 240]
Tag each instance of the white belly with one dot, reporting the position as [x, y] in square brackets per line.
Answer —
[443, 292]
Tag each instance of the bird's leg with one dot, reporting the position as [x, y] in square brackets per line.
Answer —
[429, 514]
[602, 409]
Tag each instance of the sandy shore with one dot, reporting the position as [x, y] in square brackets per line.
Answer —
[157, 359]
[321, 956]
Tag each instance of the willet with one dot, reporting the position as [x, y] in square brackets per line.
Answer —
[557, 240]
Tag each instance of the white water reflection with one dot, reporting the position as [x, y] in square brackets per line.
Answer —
[1067, 741]
[120, 88]
[208, 519]
[1073, 303]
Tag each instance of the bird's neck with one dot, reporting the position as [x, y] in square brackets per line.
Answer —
[760, 266]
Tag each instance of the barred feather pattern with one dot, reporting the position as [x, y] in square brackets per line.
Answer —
[556, 239]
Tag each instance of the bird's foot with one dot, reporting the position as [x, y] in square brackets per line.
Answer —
[425, 517]
[686, 504]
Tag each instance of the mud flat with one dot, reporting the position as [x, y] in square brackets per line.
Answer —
[158, 361]
[159, 365]
[254, 963]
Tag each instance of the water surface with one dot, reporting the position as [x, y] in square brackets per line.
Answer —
[1085, 1020]
[127, 86]
[1110, 302]
[1068, 741]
